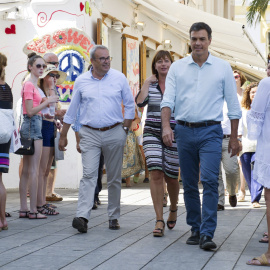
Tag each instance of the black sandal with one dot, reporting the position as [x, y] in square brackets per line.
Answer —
[45, 210]
[35, 216]
[7, 214]
[23, 214]
[171, 222]
[161, 231]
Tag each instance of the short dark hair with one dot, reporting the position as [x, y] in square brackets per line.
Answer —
[160, 54]
[201, 26]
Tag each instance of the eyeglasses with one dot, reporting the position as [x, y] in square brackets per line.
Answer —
[57, 76]
[53, 63]
[41, 66]
[103, 59]
[237, 76]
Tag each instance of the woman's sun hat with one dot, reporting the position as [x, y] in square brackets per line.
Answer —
[51, 68]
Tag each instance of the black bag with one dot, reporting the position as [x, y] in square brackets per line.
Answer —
[27, 147]
[27, 144]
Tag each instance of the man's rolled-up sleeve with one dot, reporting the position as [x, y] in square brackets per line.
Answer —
[230, 94]
[170, 90]
[128, 100]
[71, 113]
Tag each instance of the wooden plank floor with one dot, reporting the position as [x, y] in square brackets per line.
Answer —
[54, 244]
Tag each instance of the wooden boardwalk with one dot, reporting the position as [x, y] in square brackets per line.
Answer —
[54, 244]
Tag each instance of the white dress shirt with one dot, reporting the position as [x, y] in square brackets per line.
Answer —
[100, 100]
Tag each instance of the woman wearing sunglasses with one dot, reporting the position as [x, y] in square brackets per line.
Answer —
[31, 126]
[48, 80]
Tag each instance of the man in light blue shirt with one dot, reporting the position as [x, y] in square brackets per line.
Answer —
[195, 89]
[99, 93]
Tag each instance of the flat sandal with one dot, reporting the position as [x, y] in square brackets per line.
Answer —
[161, 230]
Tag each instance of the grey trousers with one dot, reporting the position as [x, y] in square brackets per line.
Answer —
[232, 172]
[111, 143]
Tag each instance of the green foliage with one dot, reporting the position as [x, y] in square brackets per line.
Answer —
[256, 10]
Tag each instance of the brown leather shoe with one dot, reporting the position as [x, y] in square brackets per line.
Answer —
[220, 207]
[233, 200]
[54, 198]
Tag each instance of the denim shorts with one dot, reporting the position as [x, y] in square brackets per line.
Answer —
[33, 123]
[48, 133]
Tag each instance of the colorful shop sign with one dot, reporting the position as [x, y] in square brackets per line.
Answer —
[72, 47]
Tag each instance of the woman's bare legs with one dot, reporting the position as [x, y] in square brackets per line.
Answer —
[3, 198]
[30, 173]
[51, 182]
[173, 190]
[44, 170]
[157, 192]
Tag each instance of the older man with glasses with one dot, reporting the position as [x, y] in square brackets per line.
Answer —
[99, 94]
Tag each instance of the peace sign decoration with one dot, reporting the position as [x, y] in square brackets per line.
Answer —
[72, 47]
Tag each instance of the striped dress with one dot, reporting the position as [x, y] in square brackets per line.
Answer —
[6, 102]
[158, 156]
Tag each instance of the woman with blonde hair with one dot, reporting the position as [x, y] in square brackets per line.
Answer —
[31, 127]
[6, 103]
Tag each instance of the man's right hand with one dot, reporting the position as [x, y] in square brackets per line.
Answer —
[167, 136]
[62, 143]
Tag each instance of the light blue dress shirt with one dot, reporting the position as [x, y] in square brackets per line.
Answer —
[100, 100]
[77, 126]
[196, 94]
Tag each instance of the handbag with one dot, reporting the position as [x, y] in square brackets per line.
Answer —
[58, 154]
[27, 144]
[6, 127]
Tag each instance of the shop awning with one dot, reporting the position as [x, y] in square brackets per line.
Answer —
[229, 39]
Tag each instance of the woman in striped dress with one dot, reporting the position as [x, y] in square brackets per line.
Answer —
[162, 161]
[6, 102]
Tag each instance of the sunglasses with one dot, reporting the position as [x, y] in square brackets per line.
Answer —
[41, 66]
[57, 76]
[53, 63]
[237, 76]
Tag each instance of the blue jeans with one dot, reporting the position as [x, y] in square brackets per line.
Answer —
[199, 149]
[254, 187]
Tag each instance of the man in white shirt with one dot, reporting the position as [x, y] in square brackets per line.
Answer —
[99, 94]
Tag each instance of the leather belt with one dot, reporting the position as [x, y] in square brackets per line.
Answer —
[226, 136]
[104, 128]
[198, 124]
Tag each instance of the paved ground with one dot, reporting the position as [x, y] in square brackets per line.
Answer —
[54, 244]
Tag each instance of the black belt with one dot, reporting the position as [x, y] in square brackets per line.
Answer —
[104, 128]
[198, 124]
[226, 136]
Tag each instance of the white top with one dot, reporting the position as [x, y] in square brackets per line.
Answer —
[258, 122]
[45, 110]
[247, 144]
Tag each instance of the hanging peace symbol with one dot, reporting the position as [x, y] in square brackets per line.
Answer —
[72, 63]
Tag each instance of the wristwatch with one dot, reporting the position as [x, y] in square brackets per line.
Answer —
[126, 129]
[239, 139]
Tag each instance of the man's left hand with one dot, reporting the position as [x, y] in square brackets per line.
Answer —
[234, 146]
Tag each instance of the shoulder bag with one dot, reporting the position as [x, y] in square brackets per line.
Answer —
[27, 144]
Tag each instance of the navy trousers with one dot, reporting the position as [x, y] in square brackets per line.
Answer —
[199, 149]
[254, 187]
